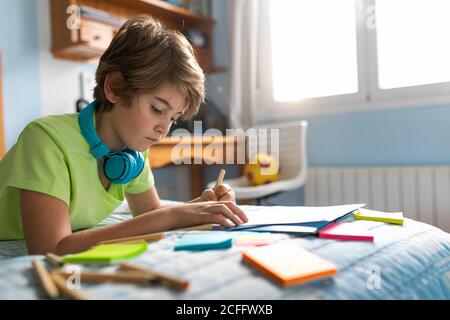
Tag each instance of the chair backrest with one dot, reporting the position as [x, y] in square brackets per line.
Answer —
[292, 147]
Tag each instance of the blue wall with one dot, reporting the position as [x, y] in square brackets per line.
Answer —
[391, 137]
[19, 48]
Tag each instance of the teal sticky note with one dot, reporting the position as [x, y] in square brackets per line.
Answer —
[204, 241]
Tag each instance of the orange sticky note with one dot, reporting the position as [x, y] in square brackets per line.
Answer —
[288, 264]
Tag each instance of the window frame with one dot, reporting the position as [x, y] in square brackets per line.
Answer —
[369, 96]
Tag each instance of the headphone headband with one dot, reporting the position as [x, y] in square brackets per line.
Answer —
[86, 122]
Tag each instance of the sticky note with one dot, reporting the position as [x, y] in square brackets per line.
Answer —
[107, 253]
[204, 241]
[253, 240]
[389, 217]
[288, 264]
[346, 231]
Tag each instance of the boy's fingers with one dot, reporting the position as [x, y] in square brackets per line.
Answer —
[227, 212]
[209, 195]
[222, 190]
[236, 210]
[229, 196]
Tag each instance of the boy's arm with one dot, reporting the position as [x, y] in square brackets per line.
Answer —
[143, 202]
[46, 222]
[46, 226]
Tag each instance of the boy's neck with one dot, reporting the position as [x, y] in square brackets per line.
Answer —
[106, 131]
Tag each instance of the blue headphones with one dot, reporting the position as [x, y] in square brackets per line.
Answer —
[119, 167]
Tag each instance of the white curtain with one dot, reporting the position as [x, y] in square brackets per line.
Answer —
[244, 62]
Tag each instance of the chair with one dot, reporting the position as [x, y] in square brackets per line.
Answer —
[292, 159]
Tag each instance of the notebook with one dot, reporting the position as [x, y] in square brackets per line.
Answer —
[346, 231]
[389, 217]
[204, 241]
[299, 229]
[108, 253]
[288, 264]
[316, 217]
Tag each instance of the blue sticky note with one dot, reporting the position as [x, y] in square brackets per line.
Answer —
[204, 241]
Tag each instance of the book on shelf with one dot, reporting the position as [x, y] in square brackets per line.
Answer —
[100, 16]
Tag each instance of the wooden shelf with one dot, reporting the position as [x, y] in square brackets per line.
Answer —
[89, 42]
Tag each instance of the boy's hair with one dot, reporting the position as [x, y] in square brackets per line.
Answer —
[147, 55]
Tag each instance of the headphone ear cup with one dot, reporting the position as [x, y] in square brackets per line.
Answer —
[139, 160]
[118, 167]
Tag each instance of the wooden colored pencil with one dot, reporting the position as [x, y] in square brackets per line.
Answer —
[162, 277]
[219, 181]
[120, 276]
[146, 237]
[46, 282]
[60, 282]
[198, 228]
[54, 259]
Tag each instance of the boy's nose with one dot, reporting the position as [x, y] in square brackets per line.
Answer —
[162, 128]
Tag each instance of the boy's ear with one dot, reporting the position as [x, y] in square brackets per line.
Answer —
[111, 83]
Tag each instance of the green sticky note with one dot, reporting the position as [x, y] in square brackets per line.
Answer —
[107, 253]
[372, 215]
[204, 241]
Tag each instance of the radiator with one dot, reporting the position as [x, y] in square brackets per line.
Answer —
[420, 192]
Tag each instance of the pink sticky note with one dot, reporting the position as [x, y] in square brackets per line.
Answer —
[346, 231]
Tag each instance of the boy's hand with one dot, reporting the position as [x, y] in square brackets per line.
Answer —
[222, 193]
[225, 213]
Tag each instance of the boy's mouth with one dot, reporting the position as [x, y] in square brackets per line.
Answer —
[152, 140]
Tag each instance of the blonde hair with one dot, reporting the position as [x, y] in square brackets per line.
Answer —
[148, 55]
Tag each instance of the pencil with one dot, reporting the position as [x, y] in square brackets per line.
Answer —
[54, 259]
[201, 227]
[164, 278]
[219, 179]
[60, 282]
[146, 237]
[121, 276]
[46, 282]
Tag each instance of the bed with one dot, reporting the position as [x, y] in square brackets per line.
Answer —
[405, 262]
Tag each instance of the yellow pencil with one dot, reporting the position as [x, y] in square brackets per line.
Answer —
[46, 282]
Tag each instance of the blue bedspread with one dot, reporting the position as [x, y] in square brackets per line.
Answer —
[405, 262]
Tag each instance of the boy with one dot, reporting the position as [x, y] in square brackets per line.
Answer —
[69, 172]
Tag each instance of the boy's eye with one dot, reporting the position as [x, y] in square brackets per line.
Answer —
[156, 110]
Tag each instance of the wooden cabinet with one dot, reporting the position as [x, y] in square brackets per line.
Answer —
[89, 38]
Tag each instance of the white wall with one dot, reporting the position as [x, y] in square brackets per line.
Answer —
[59, 79]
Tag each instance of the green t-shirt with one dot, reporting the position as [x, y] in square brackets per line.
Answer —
[52, 157]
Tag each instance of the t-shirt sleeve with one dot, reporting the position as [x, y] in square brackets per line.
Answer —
[143, 181]
[40, 164]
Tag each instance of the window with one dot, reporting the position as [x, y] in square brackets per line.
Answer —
[328, 65]
[412, 42]
[329, 56]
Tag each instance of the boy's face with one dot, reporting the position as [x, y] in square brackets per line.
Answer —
[149, 117]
